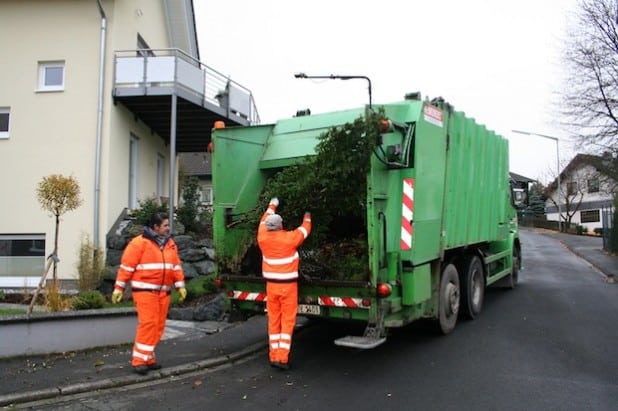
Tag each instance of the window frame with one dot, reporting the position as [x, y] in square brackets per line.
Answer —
[593, 185]
[590, 216]
[4, 134]
[43, 66]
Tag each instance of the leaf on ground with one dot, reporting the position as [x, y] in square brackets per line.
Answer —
[99, 363]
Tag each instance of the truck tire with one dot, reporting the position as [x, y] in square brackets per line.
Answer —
[514, 277]
[448, 303]
[472, 282]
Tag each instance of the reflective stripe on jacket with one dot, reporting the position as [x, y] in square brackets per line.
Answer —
[150, 267]
[280, 258]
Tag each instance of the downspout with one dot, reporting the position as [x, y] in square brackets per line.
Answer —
[97, 159]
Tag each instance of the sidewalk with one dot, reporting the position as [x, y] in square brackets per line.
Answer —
[186, 347]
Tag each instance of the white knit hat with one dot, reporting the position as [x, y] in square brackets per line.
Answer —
[273, 222]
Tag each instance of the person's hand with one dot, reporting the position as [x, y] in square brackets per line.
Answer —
[274, 201]
[182, 292]
[116, 296]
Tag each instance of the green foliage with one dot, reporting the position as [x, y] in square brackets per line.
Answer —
[147, 208]
[580, 229]
[88, 300]
[58, 194]
[2, 295]
[332, 185]
[188, 212]
[598, 231]
[90, 266]
[198, 287]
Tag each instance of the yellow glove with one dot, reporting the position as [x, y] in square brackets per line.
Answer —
[116, 296]
[183, 294]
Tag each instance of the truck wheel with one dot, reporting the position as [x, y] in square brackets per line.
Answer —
[472, 281]
[514, 277]
[448, 305]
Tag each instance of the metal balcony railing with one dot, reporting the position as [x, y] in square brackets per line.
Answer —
[144, 70]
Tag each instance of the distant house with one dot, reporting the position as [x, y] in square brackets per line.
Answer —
[108, 92]
[586, 193]
[198, 164]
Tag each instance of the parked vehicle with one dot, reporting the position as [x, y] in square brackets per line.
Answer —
[441, 223]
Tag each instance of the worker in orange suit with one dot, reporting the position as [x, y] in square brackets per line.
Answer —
[280, 262]
[150, 263]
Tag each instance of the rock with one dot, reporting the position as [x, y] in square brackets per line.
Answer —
[191, 254]
[190, 271]
[212, 311]
[204, 267]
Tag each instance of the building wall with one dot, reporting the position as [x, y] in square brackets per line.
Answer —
[55, 132]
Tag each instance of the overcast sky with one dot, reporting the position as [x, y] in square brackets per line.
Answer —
[496, 60]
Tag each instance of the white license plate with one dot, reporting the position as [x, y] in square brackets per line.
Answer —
[308, 309]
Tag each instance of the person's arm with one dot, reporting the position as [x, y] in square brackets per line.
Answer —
[303, 231]
[130, 258]
[272, 207]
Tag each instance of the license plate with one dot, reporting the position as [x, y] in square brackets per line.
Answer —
[308, 309]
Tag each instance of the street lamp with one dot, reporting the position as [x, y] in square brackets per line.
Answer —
[530, 133]
[337, 77]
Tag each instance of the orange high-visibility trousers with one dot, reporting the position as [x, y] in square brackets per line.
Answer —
[151, 316]
[281, 304]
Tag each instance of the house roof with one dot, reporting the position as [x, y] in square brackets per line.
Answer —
[182, 34]
[577, 161]
[196, 163]
[520, 179]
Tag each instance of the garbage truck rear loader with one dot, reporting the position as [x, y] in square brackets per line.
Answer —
[441, 224]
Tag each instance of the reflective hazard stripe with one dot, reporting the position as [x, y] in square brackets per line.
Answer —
[247, 296]
[140, 285]
[407, 213]
[341, 302]
[281, 261]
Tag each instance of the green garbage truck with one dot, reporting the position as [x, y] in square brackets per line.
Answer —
[439, 224]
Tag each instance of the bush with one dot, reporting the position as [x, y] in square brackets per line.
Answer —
[90, 266]
[580, 229]
[88, 300]
[148, 208]
[2, 295]
[189, 211]
[598, 231]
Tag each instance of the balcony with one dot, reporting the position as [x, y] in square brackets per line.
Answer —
[145, 80]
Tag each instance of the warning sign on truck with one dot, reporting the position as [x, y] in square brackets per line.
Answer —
[432, 115]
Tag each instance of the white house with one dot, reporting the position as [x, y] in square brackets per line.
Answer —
[106, 91]
[586, 193]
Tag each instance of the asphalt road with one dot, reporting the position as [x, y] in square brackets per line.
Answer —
[548, 345]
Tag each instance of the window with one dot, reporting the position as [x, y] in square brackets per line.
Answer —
[5, 114]
[21, 256]
[51, 76]
[143, 49]
[160, 174]
[206, 195]
[590, 216]
[593, 185]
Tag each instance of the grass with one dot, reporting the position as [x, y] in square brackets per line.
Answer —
[11, 311]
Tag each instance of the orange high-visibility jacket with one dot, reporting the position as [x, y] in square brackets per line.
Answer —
[150, 267]
[279, 255]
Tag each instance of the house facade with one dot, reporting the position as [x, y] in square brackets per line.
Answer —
[586, 193]
[108, 92]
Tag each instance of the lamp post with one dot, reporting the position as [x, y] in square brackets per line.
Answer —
[530, 133]
[337, 77]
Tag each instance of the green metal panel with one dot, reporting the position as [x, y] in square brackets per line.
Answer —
[416, 285]
[477, 183]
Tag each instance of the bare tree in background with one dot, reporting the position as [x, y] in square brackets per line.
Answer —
[590, 95]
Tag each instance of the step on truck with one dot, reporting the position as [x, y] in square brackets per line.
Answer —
[441, 221]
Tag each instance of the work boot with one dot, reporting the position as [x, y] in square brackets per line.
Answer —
[154, 366]
[141, 369]
[284, 366]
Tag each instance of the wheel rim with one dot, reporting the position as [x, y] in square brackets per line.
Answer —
[452, 296]
[477, 284]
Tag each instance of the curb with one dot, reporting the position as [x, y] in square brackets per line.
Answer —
[609, 278]
[107, 383]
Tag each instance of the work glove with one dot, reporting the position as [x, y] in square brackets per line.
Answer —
[274, 201]
[307, 214]
[182, 292]
[116, 296]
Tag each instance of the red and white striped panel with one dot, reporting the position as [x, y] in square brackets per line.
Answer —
[247, 296]
[341, 302]
[407, 213]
